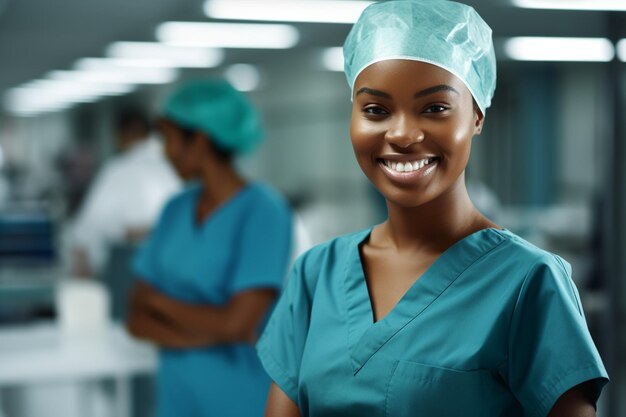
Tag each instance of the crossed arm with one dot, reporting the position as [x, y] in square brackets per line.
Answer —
[171, 323]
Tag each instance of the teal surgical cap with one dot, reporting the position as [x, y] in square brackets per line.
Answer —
[440, 32]
[215, 108]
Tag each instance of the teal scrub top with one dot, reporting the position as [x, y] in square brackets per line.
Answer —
[242, 245]
[493, 328]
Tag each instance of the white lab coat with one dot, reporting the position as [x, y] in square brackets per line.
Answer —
[128, 193]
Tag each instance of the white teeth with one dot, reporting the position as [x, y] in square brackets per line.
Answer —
[406, 166]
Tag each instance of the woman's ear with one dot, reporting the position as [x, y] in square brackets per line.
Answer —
[478, 120]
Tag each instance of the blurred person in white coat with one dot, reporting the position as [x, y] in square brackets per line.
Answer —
[126, 196]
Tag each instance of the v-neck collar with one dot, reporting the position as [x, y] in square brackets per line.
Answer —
[199, 226]
[366, 337]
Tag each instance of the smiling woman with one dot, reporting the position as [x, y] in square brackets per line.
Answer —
[437, 311]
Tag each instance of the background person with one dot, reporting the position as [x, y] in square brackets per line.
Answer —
[126, 197]
[215, 263]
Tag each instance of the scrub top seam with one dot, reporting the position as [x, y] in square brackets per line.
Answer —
[352, 321]
[291, 382]
[517, 303]
[393, 371]
[569, 282]
[553, 392]
[431, 303]
[519, 296]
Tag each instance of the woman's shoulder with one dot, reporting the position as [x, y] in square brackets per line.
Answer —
[528, 260]
[519, 248]
[332, 253]
[260, 193]
[325, 261]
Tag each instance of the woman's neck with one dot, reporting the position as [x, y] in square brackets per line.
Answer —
[433, 226]
[220, 182]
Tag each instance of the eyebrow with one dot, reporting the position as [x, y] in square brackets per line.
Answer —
[425, 92]
[436, 89]
[372, 92]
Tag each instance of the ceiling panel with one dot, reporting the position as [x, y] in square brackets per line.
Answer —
[37, 36]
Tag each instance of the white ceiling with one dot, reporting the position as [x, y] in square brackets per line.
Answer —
[37, 36]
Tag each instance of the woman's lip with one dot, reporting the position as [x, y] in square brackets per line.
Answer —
[408, 177]
[405, 158]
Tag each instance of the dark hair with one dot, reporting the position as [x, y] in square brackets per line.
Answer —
[188, 133]
[133, 120]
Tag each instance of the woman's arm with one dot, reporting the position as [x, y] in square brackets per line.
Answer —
[144, 323]
[166, 320]
[574, 403]
[236, 321]
[279, 405]
[154, 329]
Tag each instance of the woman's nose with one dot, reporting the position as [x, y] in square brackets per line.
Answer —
[404, 132]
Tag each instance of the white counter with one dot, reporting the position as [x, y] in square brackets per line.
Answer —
[38, 355]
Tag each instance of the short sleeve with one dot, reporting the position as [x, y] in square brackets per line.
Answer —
[282, 343]
[264, 246]
[550, 348]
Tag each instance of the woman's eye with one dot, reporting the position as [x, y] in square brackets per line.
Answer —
[436, 108]
[375, 111]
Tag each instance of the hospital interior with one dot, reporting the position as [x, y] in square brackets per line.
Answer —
[548, 166]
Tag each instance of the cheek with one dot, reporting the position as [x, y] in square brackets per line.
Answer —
[355, 135]
[459, 140]
[364, 135]
[462, 144]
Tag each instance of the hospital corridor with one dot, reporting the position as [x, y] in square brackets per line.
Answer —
[325, 208]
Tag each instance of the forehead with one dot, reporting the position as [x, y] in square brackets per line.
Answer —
[408, 75]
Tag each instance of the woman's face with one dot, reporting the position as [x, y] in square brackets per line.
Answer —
[412, 127]
[180, 151]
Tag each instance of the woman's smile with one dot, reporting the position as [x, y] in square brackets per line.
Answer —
[408, 169]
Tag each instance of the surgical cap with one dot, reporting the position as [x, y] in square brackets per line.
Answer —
[215, 108]
[447, 34]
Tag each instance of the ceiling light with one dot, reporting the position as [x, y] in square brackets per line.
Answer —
[228, 35]
[332, 58]
[30, 111]
[67, 89]
[323, 11]
[559, 49]
[616, 5]
[90, 64]
[621, 50]
[52, 95]
[28, 103]
[243, 77]
[182, 57]
[117, 76]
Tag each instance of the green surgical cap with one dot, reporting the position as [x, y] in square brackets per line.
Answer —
[215, 108]
[440, 32]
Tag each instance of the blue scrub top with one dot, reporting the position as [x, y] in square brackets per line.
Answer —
[493, 328]
[244, 244]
